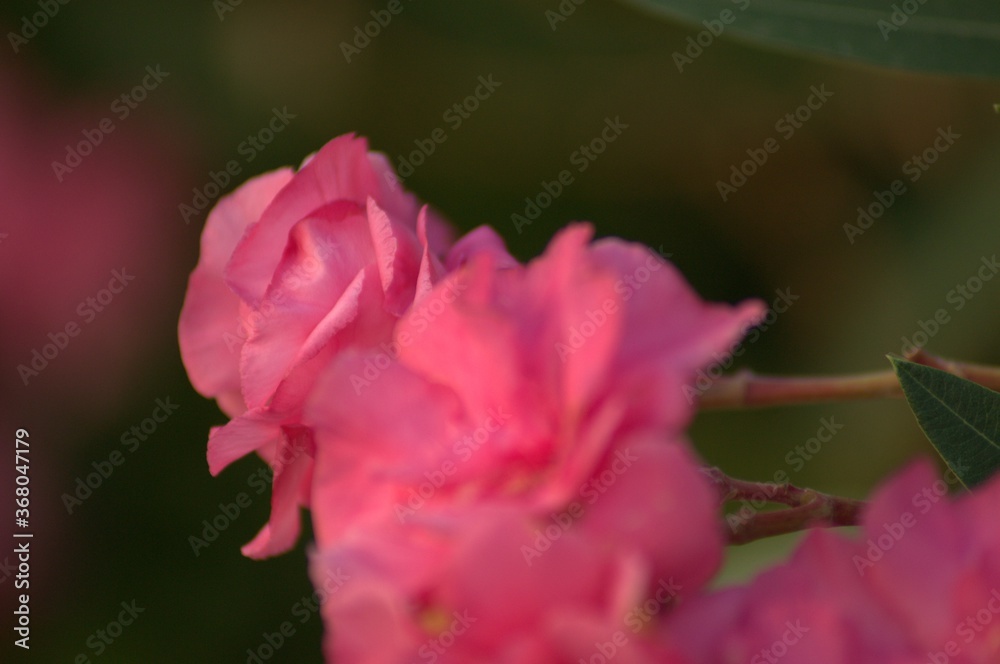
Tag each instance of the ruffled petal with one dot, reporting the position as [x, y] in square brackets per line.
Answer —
[210, 332]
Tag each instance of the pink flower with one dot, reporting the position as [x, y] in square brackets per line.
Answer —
[296, 267]
[209, 347]
[456, 586]
[920, 584]
[519, 380]
[517, 452]
[445, 411]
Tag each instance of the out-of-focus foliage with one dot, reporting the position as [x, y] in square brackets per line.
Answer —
[943, 37]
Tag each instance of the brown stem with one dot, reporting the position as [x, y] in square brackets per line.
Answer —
[746, 389]
[807, 508]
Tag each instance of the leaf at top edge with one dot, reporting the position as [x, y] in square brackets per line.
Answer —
[954, 38]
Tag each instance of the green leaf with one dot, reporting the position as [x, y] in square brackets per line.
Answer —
[961, 418]
[942, 37]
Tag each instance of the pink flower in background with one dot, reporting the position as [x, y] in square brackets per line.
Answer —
[921, 583]
[73, 351]
[522, 456]
[296, 267]
[62, 242]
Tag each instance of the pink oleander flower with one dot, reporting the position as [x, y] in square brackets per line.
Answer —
[514, 381]
[919, 585]
[534, 414]
[295, 267]
[461, 591]
[456, 584]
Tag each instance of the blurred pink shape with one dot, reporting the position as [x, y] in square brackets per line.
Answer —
[86, 260]
[89, 267]
[921, 583]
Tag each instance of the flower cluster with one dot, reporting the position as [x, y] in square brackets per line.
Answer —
[493, 453]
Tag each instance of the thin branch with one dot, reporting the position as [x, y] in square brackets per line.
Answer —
[807, 508]
[746, 389]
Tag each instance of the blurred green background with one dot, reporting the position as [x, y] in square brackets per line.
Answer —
[783, 229]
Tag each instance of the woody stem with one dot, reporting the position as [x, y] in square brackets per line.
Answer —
[746, 389]
[807, 508]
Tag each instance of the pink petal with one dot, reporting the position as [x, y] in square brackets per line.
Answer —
[481, 240]
[364, 617]
[324, 256]
[431, 270]
[677, 528]
[241, 436]
[341, 170]
[292, 472]
[210, 331]
[397, 256]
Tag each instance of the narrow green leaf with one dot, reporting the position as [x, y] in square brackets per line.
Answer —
[961, 418]
[941, 37]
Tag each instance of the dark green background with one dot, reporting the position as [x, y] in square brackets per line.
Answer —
[655, 184]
